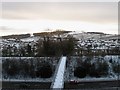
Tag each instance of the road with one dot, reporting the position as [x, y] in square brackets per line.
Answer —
[98, 85]
[93, 85]
[6, 85]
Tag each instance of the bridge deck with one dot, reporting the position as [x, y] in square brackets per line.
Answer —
[59, 78]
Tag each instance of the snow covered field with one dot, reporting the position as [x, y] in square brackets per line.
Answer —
[71, 65]
[34, 62]
[110, 76]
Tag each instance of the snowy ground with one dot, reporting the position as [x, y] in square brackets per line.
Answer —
[87, 79]
[30, 80]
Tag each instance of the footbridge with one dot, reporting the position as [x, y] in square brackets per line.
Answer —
[58, 82]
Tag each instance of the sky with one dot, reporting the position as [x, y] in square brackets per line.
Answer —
[32, 17]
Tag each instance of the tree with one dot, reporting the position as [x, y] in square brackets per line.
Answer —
[103, 68]
[49, 47]
[116, 67]
[68, 46]
[11, 67]
[29, 51]
[80, 72]
[44, 71]
[93, 71]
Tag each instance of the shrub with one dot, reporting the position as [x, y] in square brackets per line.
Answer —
[102, 68]
[11, 67]
[96, 69]
[93, 72]
[80, 72]
[116, 67]
[26, 68]
[45, 71]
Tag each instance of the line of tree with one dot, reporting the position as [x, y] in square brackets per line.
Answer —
[26, 69]
[56, 48]
[97, 69]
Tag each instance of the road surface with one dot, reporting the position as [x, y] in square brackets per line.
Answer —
[99, 85]
[93, 85]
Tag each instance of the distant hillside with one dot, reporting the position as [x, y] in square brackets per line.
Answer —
[58, 32]
[62, 33]
[111, 37]
[95, 33]
[20, 36]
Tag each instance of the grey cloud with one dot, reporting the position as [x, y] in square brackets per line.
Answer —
[90, 12]
[5, 28]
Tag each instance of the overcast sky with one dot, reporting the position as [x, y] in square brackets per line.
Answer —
[29, 17]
